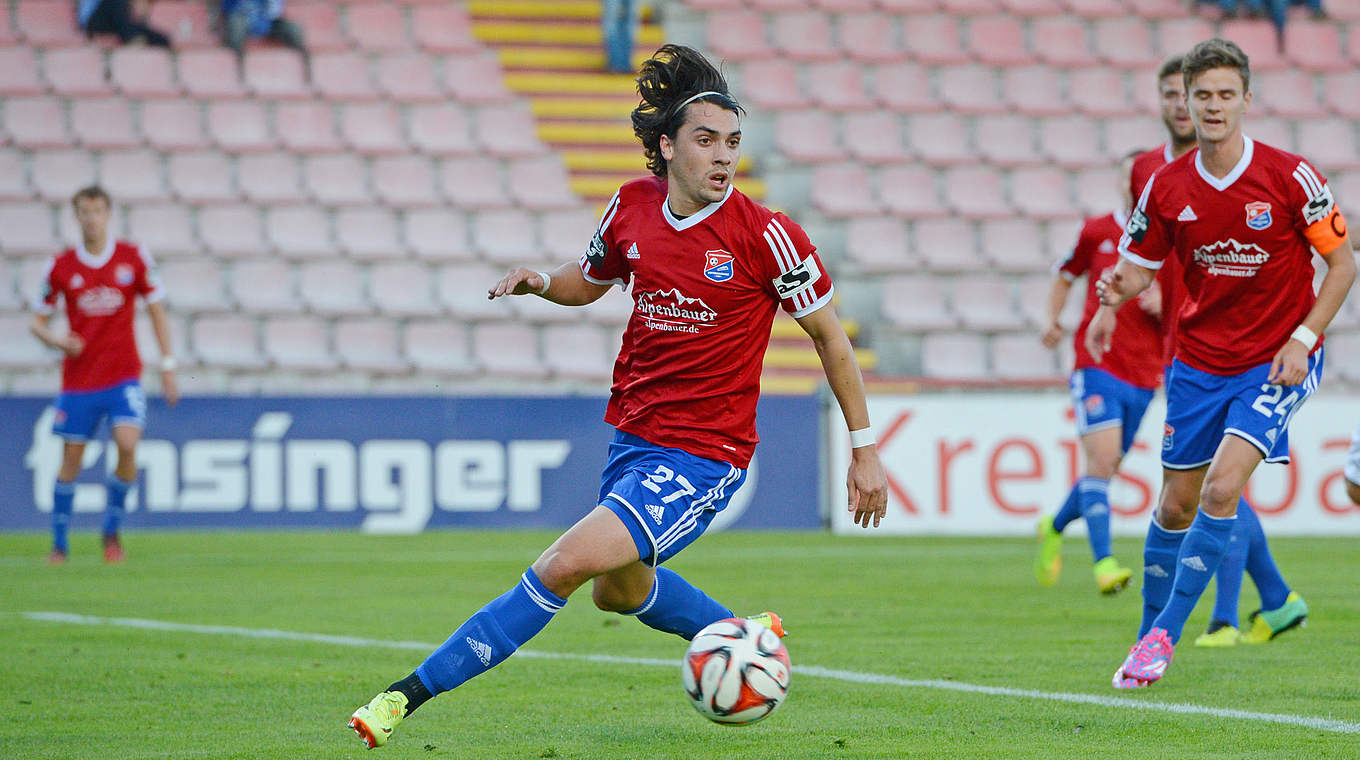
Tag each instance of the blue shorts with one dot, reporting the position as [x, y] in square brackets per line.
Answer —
[666, 497]
[1202, 407]
[1102, 400]
[79, 413]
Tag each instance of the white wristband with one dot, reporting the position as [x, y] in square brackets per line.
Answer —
[861, 437]
[547, 283]
[168, 364]
[1305, 336]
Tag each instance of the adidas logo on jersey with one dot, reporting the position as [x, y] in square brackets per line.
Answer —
[1187, 215]
[482, 650]
[1155, 571]
[656, 511]
[633, 252]
[1194, 563]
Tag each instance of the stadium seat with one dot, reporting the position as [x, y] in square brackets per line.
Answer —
[508, 131]
[565, 234]
[373, 128]
[933, 39]
[506, 237]
[143, 72]
[1273, 131]
[803, 36]
[878, 244]
[985, 303]
[343, 77]
[300, 231]
[773, 84]
[1343, 93]
[233, 230]
[441, 129]
[1042, 193]
[1033, 301]
[320, 21]
[35, 123]
[540, 311]
[738, 35]
[166, 229]
[265, 286]
[405, 181]
[27, 352]
[1061, 41]
[185, 22]
[1336, 137]
[462, 289]
[838, 85]
[1096, 193]
[8, 34]
[1020, 356]
[507, 349]
[874, 137]
[613, 310]
[1006, 141]
[408, 78]
[910, 191]
[200, 177]
[369, 233]
[437, 235]
[333, 287]
[1072, 141]
[373, 345]
[977, 192]
[48, 23]
[442, 28]
[1175, 36]
[173, 125]
[240, 126]
[945, 245]
[270, 178]
[1033, 8]
[377, 26]
[71, 72]
[14, 185]
[577, 352]
[307, 128]
[1034, 91]
[842, 190]
[402, 289]
[474, 183]
[1353, 43]
[970, 89]
[905, 87]
[195, 285]
[1343, 354]
[870, 37]
[229, 341]
[998, 41]
[336, 180]
[1097, 9]
[104, 123]
[940, 139]
[807, 136]
[476, 78]
[1124, 135]
[1101, 92]
[1125, 41]
[276, 74]
[298, 343]
[27, 228]
[915, 303]
[1014, 245]
[909, 6]
[438, 346]
[956, 356]
[1291, 93]
[540, 184]
[1257, 40]
[132, 176]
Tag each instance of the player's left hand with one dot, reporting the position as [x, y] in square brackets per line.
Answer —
[1290, 365]
[169, 387]
[867, 485]
[1100, 332]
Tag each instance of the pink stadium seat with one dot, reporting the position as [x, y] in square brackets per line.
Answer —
[738, 35]
[403, 289]
[369, 344]
[1097, 8]
[508, 131]
[1033, 297]
[300, 231]
[276, 73]
[1176, 36]
[369, 233]
[807, 136]
[1034, 91]
[613, 310]
[970, 89]
[8, 34]
[940, 139]
[27, 228]
[298, 343]
[1006, 140]
[1343, 93]
[405, 181]
[166, 229]
[1014, 245]
[377, 26]
[437, 234]
[343, 77]
[976, 192]
[1125, 42]
[565, 234]
[372, 128]
[541, 183]
[804, 36]
[143, 72]
[240, 126]
[998, 41]
[195, 285]
[1096, 191]
[878, 244]
[475, 78]
[842, 190]
[1020, 356]
[474, 183]
[1273, 131]
[970, 7]
[985, 302]
[59, 173]
[185, 22]
[577, 352]
[230, 342]
[36, 123]
[1353, 43]
[442, 28]
[320, 21]
[870, 37]
[915, 302]
[264, 286]
[946, 245]
[838, 86]
[1338, 136]
[233, 230]
[910, 191]
[954, 356]
[507, 349]
[1258, 41]
[714, 5]
[1161, 9]
[777, 5]
[13, 176]
[773, 84]
[874, 137]
[306, 127]
[104, 123]
[19, 72]
[905, 87]
[539, 311]
[1124, 135]
[1291, 93]
[1042, 193]
[75, 71]
[336, 180]
[1061, 41]
[409, 78]
[26, 353]
[48, 23]
[505, 237]
[462, 289]
[1031, 8]
[269, 178]
[200, 177]
[1100, 92]
[173, 125]
[1072, 141]
[438, 346]
[933, 39]
[132, 176]
[334, 287]
[909, 6]
[441, 129]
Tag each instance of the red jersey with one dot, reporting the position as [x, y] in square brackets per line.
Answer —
[705, 289]
[99, 291]
[1243, 243]
[1136, 358]
[1169, 276]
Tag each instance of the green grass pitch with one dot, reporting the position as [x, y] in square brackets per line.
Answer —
[962, 611]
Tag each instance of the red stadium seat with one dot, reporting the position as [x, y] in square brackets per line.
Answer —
[946, 245]
[1061, 41]
[372, 128]
[842, 190]
[807, 136]
[369, 233]
[998, 41]
[270, 178]
[343, 77]
[933, 39]
[1343, 93]
[405, 181]
[577, 352]
[910, 191]
[985, 302]
[196, 285]
[443, 130]
[403, 289]
[408, 78]
[300, 231]
[874, 137]
[541, 184]
[144, 72]
[1175, 36]
[337, 180]
[1006, 140]
[14, 184]
[166, 229]
[230, 342]
[377, 26]
[27, 228]
[240, 126]
[210, 74]
[59, 173]
[462, 289]
[505, 237]
[75, 71]
[201, 177]
[941, 140]
[1335, 142]
[1020, 356]
[438, 346]
[1097, 8]
[48, 23]
[307, 128]
[878, 244]
[1291, 94]
[977, 192]
[838, 86]
[970, 89]
[905, 87]
[1034, 91]
[132, 176]
[1042, 193]
[508, 131]
[475, 78]
[1100, 92]
[320, 21]
[870, 37]
[1258, 41]
[507, 349]
[915, 303]
[803, 36]
[1126, 42]
[19, 72]
[443, 28]
[104, 123]
[299, 343]
[1015, 245]
[276, 74]
[474, 183]
[232, 230]
[265, 286]
[185, 22]
[1072, 141]
[738, 36]
[332, 288]
[954, 356]
[173, 125]
[36, 123]
[369, 344]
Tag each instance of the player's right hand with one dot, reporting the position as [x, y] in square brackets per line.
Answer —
[1100, 332]
[71, 344]
[1052, 336]
[1110, 287]
[517, 282]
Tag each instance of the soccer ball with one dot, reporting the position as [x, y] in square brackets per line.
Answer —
[736, 672]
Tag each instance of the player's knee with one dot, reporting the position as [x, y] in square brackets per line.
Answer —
[1219, 496]
[1103, 467]
[1353, 491]
[562, 573]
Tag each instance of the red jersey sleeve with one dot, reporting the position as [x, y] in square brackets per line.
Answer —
[49, 290]
[796, 275]
[1078, 262]
[1147, 239]
[1316, 216]
[603, 263]
[148, 282]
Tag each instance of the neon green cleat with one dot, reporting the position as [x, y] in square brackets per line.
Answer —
[770, 620]
[1220, 634]
[1267, 624]
[1110, 576]
[375, 721]
[1048, 564]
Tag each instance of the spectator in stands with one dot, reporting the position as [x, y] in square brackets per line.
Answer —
[619, 19]
[1274, 9]
[125, 18]
[259, 18]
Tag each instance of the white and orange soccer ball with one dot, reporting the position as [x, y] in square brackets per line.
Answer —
[736, 672]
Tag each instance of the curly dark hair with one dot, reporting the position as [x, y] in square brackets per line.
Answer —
[672, 75]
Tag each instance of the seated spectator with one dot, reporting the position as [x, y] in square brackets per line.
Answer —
[125, 18]
[259, 18]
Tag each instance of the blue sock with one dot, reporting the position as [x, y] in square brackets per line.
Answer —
[676, 606]
[1159, 569]
[1228, 579]
[113, 514]
[1201, 552]
[63, 503]
[1095, 509]
[491, 635]
[1270, 584]
[1071, 509]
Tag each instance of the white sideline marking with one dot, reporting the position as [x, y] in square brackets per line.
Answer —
[1303, 721]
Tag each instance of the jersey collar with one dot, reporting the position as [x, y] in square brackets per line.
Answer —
[1242, 164]
[1166, 152]
[92, 261]
[680, 225]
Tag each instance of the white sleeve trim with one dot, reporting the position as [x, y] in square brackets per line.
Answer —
[819, 303]
[622, 283]
[1139, 260]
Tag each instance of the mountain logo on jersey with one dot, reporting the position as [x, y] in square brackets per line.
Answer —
[1231, 258]
[100, 302]
[718, 265]
[1258, 215]
[672, 311]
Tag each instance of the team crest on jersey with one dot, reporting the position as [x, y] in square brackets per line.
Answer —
[1168, 438]
[1258, 215]
[123, 275]
[718, 265]
[1231, 258]
[1095, 405]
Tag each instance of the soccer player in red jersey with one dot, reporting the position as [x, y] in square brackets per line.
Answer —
[1243, 219]
[708, 268]
[1109, 397]
[99, 280]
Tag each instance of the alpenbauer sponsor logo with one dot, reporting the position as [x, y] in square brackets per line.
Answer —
[1231, 258]
[673, 311]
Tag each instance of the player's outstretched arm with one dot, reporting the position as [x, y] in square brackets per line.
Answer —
[160, 325]
[565, 285]
[69, 344]
[1290, 364]
[866, 482]
[1057, 298]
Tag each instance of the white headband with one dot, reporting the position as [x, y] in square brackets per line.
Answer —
[693, 98]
